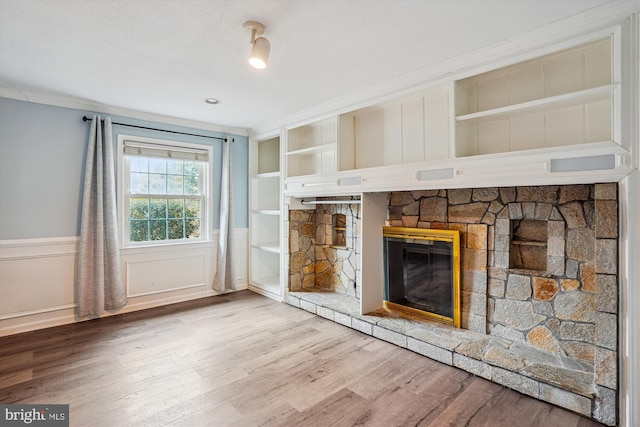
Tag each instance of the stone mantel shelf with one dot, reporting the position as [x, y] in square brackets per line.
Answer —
[523, 168]
[483, 355]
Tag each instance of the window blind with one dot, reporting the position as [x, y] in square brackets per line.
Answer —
[136, 148]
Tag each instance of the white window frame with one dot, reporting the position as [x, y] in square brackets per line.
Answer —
[123, 196]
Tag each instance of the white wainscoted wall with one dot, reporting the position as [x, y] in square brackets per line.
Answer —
[41, 175]
[36, 278]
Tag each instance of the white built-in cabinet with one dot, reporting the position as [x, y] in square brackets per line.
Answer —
[415, 128]
[412, 129]
[547, 118]
[311, 149]
[556, 100]
[265, 219]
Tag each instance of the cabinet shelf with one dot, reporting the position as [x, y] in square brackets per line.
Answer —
[312, 160]
[272, 212]
[586, 96]
[308, 150]
[264, 175]
[273, 247]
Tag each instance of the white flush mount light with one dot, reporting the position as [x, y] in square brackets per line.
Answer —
[260, 46]
[212, 101]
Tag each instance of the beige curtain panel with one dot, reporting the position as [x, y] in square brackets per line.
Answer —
[224, 279]
[98, 281]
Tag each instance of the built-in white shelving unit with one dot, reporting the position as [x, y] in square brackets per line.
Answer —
[560, 99]
[414, 128]
[509, 124]
[265, 219]
[311, 149]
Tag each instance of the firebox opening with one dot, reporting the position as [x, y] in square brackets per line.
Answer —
[528, 248]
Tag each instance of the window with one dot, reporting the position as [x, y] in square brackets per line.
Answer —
[164, 191]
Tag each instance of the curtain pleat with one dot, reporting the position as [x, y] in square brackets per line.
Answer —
[223, 280]
[98, 282]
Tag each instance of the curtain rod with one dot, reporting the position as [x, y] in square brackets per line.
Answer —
[86, 119]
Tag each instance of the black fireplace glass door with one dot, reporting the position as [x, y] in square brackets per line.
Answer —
[419, 274]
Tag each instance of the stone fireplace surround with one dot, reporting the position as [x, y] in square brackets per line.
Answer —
[550, 335]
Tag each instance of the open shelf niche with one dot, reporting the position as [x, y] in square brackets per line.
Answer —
[410, 129]
[311, 149]
[265, 218]
[560, 99]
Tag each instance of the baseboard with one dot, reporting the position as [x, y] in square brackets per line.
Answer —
[265, 292]
[66, 316]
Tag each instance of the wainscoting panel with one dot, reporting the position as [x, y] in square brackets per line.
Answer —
[167, 273]
[36, 278]
[36, 284]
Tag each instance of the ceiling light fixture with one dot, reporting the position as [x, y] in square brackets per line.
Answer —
[260, 46]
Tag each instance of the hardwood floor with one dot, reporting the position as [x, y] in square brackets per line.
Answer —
[245, 360]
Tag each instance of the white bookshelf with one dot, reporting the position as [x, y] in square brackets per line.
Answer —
[265, 218]
[510, 123]
[311, 149]
[562, 99]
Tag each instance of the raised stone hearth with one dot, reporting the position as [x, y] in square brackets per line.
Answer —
[546, 327]
[550, 377]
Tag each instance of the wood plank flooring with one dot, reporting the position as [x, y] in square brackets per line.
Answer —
[244, 360]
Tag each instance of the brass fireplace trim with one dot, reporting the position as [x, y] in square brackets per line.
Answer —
[452, 236]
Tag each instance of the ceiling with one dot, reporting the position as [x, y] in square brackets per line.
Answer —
[165, 56]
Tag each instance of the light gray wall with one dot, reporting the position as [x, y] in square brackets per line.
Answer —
[42, 152]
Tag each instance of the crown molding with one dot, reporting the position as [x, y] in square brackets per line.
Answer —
[83, 105]
[588, 25]
[267, 134]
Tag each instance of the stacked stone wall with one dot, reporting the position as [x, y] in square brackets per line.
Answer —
[316, 261]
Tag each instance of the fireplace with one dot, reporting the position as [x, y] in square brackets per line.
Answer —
[422, 273]
[538, 283]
